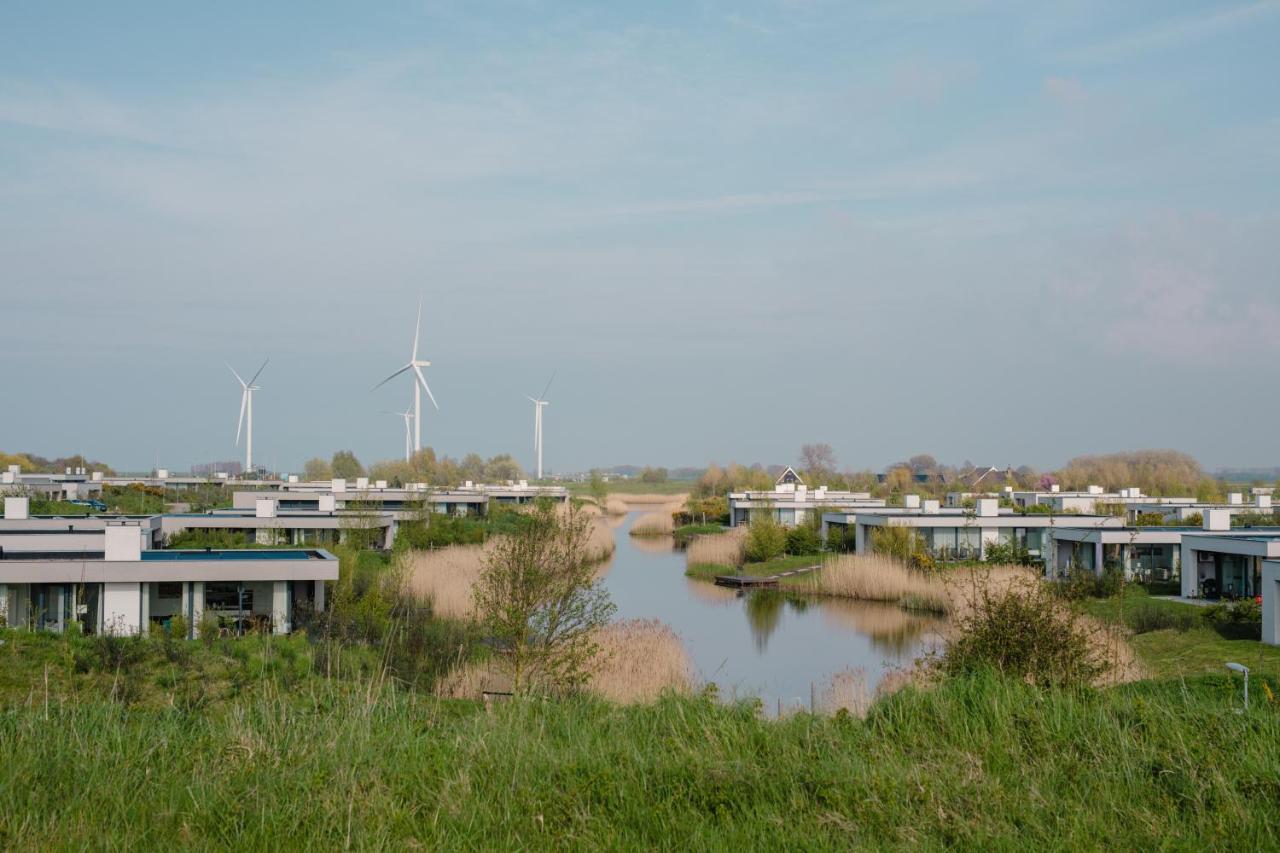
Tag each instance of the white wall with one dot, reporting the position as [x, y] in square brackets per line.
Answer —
[121, 608]
[1271, 602]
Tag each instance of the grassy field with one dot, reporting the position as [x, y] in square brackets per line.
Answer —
[320, 762]
[1193, 648]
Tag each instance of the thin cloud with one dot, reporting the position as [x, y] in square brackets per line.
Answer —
[1169, 34]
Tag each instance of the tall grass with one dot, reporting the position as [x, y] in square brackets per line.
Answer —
[653, 524]
[977, 763]
[721, 549]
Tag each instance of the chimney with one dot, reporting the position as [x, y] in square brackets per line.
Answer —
[1055, 488]
[911, 501]
[986, 507]
[380, 484]
[327, 503]
[163, 473]
[97, 476]
[1217, 519]
[1264, 501]
[1095, 490]
[362, 483]
[1235, 499]
[19, 508]
[338, 484]
[265, 508]
[931, 507]
[293, 478]
[124, 543]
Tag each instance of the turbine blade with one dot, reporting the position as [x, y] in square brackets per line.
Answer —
[543, 395]
[416, 329]
[530, 399]
[236, 375]
[244, 402]
[425, 386]
[392, 376]
[259, 373]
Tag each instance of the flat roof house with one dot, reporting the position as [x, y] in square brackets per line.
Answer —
[954, 534]
[1221, 561]
[338, 494]
[266, 524]
[130, 586]
[793, 503]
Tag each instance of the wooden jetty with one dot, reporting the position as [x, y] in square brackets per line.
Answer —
[757, 581]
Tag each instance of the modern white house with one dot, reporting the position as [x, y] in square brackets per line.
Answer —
[339, 494]
[266, 524]
[949, 533]
[1091, 499]
[793, 503]
[1222, 561]
[75, 484]
[128, 585]
[1144, 553]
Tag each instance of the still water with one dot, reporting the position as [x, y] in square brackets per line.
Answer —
[761, 643]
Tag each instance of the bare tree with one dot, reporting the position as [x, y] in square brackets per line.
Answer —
[817, 458]
[541, 603]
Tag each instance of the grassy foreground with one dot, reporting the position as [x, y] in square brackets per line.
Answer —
[975, 762]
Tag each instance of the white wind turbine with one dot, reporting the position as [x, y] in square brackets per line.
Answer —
[538, 403]
[415, 366]
[407, 414]
[246, 410]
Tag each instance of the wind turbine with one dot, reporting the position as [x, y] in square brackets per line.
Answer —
[407, 414]
[246, 408]
[415, 366]
[538, 403]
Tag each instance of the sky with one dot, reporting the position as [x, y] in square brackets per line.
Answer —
[982, 230]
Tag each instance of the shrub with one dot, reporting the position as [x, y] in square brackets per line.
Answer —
[766, 538]
[803, 540]
[1024, 633]
[902, 543]
[1236, 620]
[1145, 618]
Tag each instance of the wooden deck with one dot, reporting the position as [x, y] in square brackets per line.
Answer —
[755, 581]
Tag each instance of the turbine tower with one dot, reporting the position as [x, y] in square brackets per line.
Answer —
[246, 413]
[415, 366]
[407, 414]
[538, 403]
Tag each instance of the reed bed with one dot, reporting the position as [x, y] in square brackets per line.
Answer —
[653, 524]
[615, 506]
[634, 501]
[872, 577]
[447, 576]
[720, 549]
[637, 662]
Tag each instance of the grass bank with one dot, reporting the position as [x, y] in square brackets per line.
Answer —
[975, 762]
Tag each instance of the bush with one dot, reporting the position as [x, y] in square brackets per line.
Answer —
[803, 540]
[1027, 634]
[766, 538]
[1146, 618]
[1236, 620]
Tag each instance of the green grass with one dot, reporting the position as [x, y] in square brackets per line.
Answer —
[708, 571]
[686, 532]
[979, 762]
[1189, 646]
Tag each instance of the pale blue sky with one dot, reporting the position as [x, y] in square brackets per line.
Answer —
[970, 229]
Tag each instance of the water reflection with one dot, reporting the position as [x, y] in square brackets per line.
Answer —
[785, 644]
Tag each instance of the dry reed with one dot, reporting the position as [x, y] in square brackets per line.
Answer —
[719, 549]
[447, 576]
[872, 577]
[653, 524]
[638, 660]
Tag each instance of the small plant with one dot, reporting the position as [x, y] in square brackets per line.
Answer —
[803, 540]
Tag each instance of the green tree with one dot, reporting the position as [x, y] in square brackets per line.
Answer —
[599, 488]
[766, 538]
[540, 602]
[346, 466]
[317, 469]
[653, 475]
